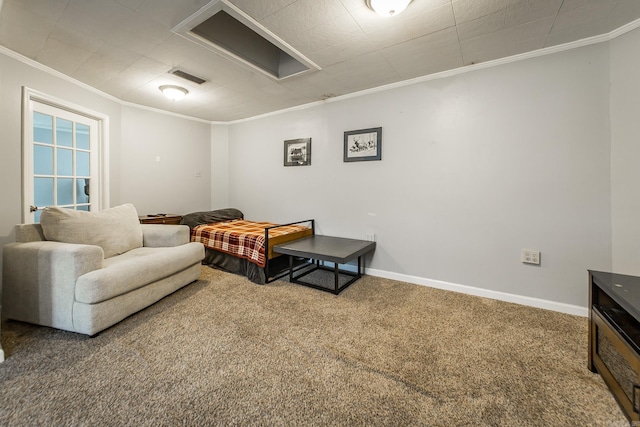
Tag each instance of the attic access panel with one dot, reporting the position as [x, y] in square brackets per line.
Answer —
[224, 28]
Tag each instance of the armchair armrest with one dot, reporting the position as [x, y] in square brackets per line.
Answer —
[39, 278]
[162, 235]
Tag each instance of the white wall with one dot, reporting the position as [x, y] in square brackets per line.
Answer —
[219, 166]
[474, 168]
[160, 156]
[625, 152]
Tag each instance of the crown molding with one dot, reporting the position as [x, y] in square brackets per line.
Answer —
[461, 70]
[35, 64]
[444, 74]
[160, 111]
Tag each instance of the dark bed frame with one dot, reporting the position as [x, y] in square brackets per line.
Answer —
[275, 268]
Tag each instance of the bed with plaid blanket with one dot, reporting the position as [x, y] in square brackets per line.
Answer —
[247, 239]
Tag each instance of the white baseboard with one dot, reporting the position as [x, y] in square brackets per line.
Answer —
[480, 292]
[561, 307]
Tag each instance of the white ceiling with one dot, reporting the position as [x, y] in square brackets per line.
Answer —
[126, 47]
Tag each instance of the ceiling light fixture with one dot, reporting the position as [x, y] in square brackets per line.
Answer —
[388, 7]
[174, 93]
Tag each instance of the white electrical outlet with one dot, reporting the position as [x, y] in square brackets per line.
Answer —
[371, 237]
[530, 256]
[198, 174]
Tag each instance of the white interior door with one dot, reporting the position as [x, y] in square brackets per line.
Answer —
[61, 160]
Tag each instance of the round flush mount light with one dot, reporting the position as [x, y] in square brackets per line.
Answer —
[174, 93]
[388, 7]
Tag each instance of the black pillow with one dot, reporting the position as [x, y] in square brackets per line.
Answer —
[210, 217]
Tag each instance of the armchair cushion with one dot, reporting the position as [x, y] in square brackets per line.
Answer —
[135, 269]
[115, 230]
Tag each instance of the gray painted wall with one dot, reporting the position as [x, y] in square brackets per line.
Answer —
[160, 156]
[219, 166]
[474, 168]
[625, 152]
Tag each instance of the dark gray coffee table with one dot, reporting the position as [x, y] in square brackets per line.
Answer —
[337, 250]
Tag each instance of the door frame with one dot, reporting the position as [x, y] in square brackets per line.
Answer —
[31, 95]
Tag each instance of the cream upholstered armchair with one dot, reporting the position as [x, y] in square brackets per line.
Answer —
[84, 271]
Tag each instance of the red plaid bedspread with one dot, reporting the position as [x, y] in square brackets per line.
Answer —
[244, 239]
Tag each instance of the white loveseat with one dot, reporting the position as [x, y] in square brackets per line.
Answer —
[84, 271]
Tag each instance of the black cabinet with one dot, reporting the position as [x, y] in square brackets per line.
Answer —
[614, 336]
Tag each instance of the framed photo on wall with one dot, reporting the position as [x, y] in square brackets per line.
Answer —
[364, 144]
[297, 152]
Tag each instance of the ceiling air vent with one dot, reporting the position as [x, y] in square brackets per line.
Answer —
[187, 76]
[223, 28]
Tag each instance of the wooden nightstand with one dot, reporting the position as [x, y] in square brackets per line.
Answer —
[161, 219]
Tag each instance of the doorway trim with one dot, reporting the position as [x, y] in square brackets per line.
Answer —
[31, 95]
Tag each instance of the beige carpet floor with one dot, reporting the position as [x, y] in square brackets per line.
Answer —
[224, 351]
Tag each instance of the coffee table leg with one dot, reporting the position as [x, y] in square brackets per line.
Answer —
[290, 268]
[336, 272]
